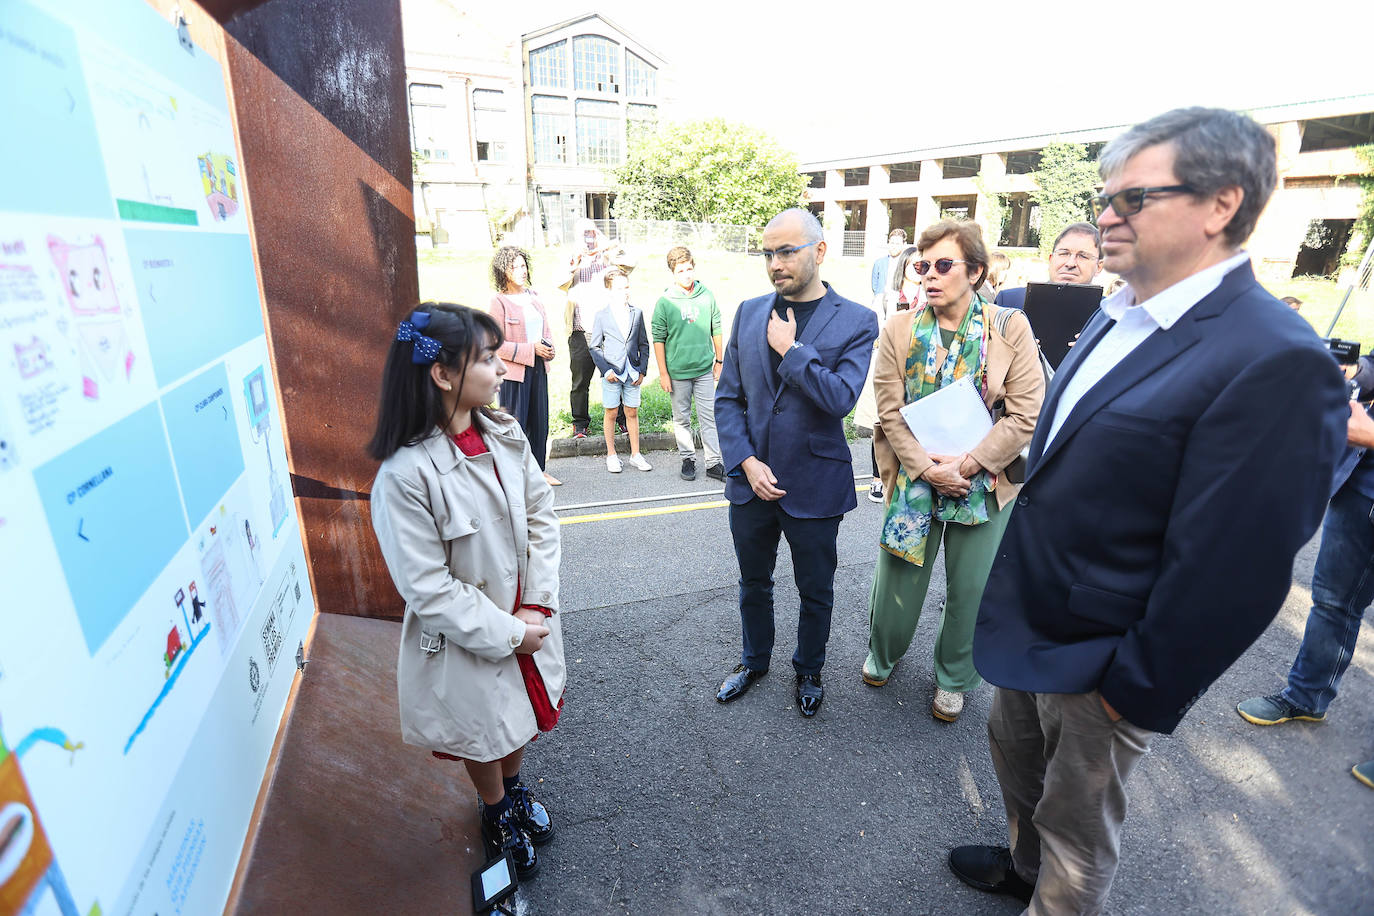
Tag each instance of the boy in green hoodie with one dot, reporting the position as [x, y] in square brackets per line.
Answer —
[689, 352]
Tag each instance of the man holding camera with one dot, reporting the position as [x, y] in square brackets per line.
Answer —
[1342, 582]
[1075, 258]
[1182, 457]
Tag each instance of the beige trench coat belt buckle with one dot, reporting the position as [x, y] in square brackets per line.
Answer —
[431, 643]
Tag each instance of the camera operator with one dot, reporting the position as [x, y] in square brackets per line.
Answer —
[1342, 583]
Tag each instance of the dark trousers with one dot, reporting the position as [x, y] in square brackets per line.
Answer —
[528, 402]
[583, 368]
[757, 527]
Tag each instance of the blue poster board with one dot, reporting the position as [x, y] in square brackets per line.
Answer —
[155, 580]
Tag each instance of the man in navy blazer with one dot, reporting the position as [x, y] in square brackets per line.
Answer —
[1182, 457]
[1075, 258]
[794, 367]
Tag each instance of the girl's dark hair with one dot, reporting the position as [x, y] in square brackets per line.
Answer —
[899, 266]
[504, 262]
[410, 404]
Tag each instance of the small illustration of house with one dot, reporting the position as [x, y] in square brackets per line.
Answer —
[174, 649]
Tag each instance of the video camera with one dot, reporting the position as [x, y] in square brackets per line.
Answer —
[1345, 352]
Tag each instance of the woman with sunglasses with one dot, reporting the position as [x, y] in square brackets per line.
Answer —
[904, 290]
[962, 500]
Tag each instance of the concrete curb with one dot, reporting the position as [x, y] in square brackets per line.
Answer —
[594, 444]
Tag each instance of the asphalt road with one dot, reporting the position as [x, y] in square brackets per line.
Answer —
[668, 802]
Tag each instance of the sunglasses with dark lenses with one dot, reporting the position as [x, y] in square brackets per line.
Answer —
[942, 266]
[1132, 200]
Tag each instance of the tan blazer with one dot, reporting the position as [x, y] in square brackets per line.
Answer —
[1014, 377]
[456, 545]
[518, 350]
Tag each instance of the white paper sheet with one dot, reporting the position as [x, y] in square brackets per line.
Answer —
[950, 421]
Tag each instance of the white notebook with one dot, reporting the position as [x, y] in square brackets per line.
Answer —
[949, 421]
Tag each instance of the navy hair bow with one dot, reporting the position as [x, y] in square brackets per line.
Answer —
[426, 348]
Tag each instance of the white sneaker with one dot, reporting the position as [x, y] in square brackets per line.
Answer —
[639, 462]
[613, 463]
[947, 705]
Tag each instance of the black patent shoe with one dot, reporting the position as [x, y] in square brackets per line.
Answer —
[809, 694]
[989, 868]
[531, 815]
[504, 835]
[739, 681]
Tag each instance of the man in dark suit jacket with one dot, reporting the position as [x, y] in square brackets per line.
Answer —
[1075, 258]
[1182, 458]
[794, 367]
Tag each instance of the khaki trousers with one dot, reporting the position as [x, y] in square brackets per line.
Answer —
[1063, 765]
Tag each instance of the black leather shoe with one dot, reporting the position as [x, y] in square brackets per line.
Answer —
[809, 694]
[505, 835]
[532, 817]
[716, 472]
[739, 682]
[989, 868]
[689, 469]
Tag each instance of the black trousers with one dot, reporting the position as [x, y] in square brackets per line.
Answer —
[757, 528]
[583, 368]
[528, 402]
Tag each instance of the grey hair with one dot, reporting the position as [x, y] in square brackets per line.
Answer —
[1213, 149]
[1082, 229]
[810, 226]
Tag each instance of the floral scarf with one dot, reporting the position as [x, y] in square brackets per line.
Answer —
[907, 522]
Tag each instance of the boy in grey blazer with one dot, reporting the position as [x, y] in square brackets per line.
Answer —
[619, 346]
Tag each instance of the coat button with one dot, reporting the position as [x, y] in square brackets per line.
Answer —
[474, 522]
[1023, 500]
[482, 583]
[777, 410]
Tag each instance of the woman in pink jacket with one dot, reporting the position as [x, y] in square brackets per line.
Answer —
[527, 350]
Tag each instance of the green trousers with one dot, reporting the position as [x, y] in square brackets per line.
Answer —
[899, 591]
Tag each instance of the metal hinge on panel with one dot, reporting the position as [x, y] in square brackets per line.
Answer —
[301, 660]
[183, 34]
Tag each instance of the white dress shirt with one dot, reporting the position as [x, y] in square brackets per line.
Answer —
[535, 331]
[1134, 323]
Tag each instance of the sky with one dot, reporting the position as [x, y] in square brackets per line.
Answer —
[830, 80]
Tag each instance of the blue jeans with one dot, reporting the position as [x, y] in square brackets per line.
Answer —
[1342, 587]
[757, 527]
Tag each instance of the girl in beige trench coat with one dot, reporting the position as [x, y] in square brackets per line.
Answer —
[467, 528]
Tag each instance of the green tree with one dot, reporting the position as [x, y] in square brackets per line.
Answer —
[1364, 223]
[707, 171]
[1066, 182]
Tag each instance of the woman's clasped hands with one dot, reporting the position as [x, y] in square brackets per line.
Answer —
[951, 475]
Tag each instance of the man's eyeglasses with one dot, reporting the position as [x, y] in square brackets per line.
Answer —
[1132, 200]
[783, 254]
[1082, 257]
[942, 266]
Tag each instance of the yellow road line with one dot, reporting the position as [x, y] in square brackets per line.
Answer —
[659, 510]
[641, 513]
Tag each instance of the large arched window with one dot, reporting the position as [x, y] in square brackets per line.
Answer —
[595, 64]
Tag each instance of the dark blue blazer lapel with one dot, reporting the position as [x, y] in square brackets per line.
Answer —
[825, 311]
[1156, 350]
[1092, 335]
[758, 330]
